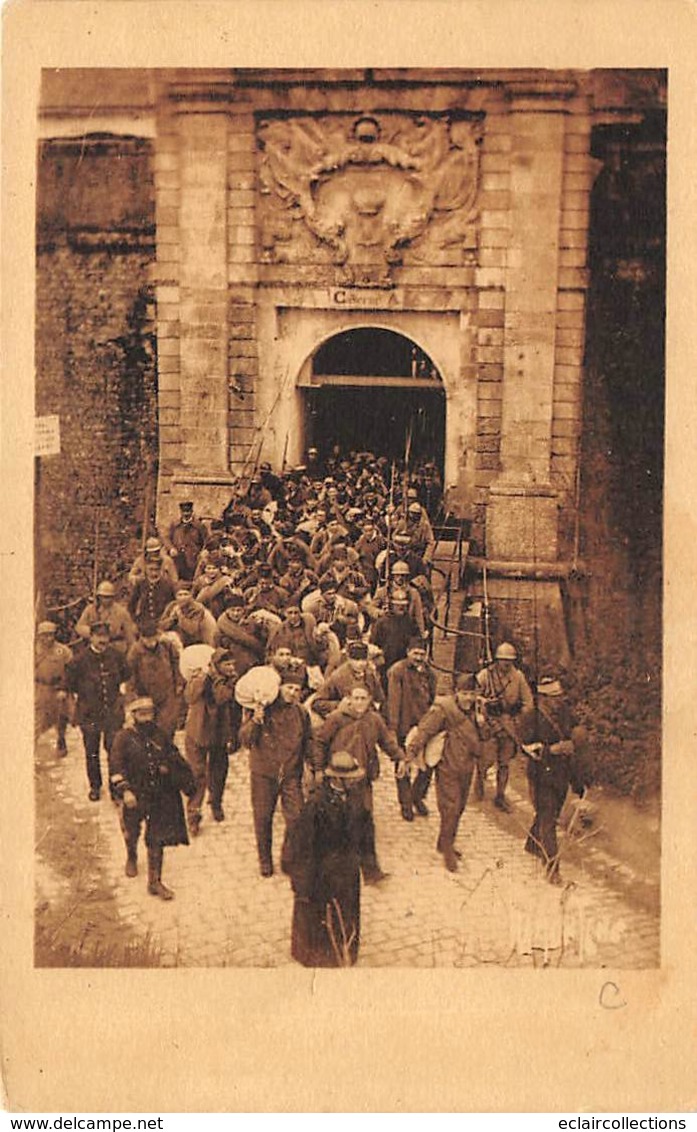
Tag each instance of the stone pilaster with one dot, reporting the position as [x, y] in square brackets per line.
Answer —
[522, 508]
[193, 298]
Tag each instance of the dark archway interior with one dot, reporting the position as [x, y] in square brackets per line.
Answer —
[381, 418]
[377, 419]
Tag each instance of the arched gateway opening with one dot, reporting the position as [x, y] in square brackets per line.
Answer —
[374, 389]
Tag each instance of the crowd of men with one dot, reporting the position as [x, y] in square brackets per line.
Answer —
[312, 593]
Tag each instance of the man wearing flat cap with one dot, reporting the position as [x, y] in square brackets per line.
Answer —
[278, 738]
[148, 775]
[454, 716]
[356, 671]
[51, 660]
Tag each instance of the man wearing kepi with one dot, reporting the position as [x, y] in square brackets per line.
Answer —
[507, 701]
[411, 689]
[453, 715]
[148, 774]
[278, 738]
[96, 676]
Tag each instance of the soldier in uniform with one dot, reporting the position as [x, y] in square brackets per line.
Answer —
[455, 716]
[110, 612]
[506, 695]
[186, 539]
[51, 661]
[148, 775]
[96, 676]
[152, 591]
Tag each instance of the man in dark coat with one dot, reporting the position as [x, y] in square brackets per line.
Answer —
[154, 664]
[357, 671]
[151, 593]
[555, 761]
[147, 774]
[453, 715]
[278, 738]
[186, 540]
[324, 867]
[211, 730]
[394, 629]
[95, 677]
[411, 689]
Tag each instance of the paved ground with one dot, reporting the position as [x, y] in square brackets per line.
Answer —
[496, 910]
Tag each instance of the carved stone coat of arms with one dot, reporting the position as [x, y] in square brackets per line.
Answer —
[367, 193]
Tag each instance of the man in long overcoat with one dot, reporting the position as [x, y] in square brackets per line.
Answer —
[324, 867]
[148, 775]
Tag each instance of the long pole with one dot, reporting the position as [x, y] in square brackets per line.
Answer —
[95, 578]
[146, 502]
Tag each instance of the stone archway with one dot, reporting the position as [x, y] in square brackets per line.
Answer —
[293, 336]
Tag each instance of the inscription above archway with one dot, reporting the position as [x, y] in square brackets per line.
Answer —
[364, 192]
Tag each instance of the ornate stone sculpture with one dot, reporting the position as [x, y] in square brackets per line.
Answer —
[359, 191]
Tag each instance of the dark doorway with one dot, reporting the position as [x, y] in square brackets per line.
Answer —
[375, 389]
[378, 419]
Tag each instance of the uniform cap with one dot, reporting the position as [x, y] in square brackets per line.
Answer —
[143, 703]
[47, 627]
[416, 643]
[401, 568]
[549, 686]
[293, 676]
[106, 589]
[415, 508]
[505, 651]
[466, 682]
[153, 546]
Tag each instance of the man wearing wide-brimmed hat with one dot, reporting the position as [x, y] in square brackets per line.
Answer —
[555, 747]
[324, 867]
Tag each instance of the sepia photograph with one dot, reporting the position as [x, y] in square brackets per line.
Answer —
[348, 517]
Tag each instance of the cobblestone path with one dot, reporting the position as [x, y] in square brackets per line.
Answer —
[497, 909]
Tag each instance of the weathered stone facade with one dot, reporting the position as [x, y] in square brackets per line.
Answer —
[451, 207]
